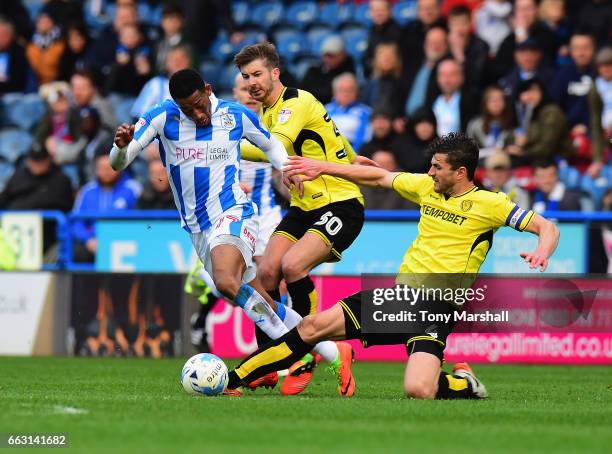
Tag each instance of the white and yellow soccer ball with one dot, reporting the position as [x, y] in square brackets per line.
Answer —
[204, 374]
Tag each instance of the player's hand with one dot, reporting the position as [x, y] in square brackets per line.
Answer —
[309, 169]
[535, 260]
[124, 135]
[294, 181]
[363, 161]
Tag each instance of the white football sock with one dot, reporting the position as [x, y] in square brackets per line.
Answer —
[258, 310]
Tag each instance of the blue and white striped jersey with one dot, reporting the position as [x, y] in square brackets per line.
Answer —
[202, 163]
[258, 175]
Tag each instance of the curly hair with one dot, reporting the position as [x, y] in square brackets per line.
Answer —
[459, 149]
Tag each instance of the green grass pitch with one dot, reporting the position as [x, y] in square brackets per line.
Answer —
[119, 405]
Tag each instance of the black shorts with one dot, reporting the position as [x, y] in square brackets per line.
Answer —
[414, 342]
[338, 224]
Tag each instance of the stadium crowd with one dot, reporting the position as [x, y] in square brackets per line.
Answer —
[531, 82]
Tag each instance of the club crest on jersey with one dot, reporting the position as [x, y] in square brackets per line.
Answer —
[466, 205]
[228, 121]
[284, 115]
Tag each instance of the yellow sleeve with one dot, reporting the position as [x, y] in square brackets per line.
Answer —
[506, 212]
[250, 152]
[412, 186]
[350, 152]
[292, 118]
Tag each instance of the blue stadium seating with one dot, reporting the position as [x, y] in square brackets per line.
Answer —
[240, 13]
[334, 14]
[210, 70]
[221, 49]
[597, 187]
[404, 12]
[290, 44]
[301, 65]
[315, 37]
[226, 78]
[6, 171]
[356, 41]
[139, 169]
[14, 143]
[361, 15]
[301, 14]
[72, 172]
[122, 106]
[266, 15]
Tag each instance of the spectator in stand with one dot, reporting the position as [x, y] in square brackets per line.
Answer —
[57, 125]
[528, 64]
[413, 36]
[104, 48]
[550, 193]
[384, 29]
[572, 84]
[552, 14]
[467, 49]
[65, 11]
[39, 185]
[112, 191]
[492, 23]
[493, 128]
[172, 22]
[410, 147]
[336, 61]
[19, 17]
[76, 56]
[204, 19]
[499, 179]
[85, 93]
[13, 62]
[132, 67]
[422, 83]
[385, 86]
[455, 106]
[350, 116]
[45, 49]
[156, 89]
[601, 110]
[382, 132]
[525, 24]
[156, 194]
[542, 132]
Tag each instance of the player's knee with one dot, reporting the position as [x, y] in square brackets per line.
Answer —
[310, 329]
[268, 275]
[292, 268]
[420, 389]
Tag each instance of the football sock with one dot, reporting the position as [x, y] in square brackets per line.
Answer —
[258, 310]
[453, 387]
[276, 355]
[261, 337]
[274, 294]
[303, 296]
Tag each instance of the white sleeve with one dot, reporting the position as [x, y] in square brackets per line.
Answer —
[120, 158]
[145, 131]
[271, 146]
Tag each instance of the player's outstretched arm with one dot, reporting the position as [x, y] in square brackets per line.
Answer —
[365, 175]
[548, 238]
[125, 149]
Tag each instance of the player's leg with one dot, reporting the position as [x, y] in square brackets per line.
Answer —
[269, 268]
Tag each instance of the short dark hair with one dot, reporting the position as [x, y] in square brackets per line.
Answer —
[172, 9]
[87, 74]
[545, 163]
[460, 10]
[459, 149]
[265, 51]
[185, 82]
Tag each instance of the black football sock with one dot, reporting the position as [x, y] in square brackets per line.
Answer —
[278, 354]
[303, 296]
[274, 294]
[453, 387]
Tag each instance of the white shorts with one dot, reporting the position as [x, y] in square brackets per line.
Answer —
[267, 224]
[232, 229]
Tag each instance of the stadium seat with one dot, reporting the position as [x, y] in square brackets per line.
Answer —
[6, 171]
[596, 187]
[569, 176]
[33, 6]
[290, 44]
[221, 49]
[404, 12]
[361, 15]
[14, 143]
[24, 111]
[266, 15]
[315, 37]
[300, 66]
[72, 172]
[356, 41]
[240, 13]
[302, 14]
[334, 14]
[226, 78]
[210, 70]
[524, 177]
[140, 170]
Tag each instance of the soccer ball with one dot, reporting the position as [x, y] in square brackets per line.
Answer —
[204, 374]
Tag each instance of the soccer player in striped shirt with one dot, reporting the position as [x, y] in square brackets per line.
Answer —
[199, 143]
